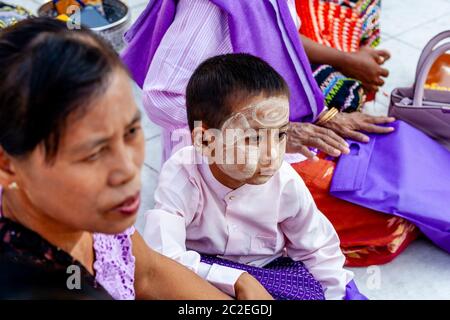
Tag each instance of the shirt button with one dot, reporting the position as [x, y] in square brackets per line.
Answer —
[231, 197]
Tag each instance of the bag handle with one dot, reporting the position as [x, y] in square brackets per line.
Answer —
[429, 47]
[423, 72]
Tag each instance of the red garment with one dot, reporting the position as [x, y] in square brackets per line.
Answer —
[367, 237]
[345, 27]
[330, 24]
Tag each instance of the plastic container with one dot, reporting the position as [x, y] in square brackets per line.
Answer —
[116, 12]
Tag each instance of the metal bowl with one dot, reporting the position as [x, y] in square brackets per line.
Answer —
[116, 12]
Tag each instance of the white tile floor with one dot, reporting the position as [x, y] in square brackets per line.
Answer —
[423, 270]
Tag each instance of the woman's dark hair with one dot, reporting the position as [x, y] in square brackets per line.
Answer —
[48, 72]
[219, 81]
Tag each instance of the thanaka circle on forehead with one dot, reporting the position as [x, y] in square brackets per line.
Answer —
[272, 112]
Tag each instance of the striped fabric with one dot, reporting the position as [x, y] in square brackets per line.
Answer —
[174, 62]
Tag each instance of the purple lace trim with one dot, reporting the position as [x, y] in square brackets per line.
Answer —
[114, 264]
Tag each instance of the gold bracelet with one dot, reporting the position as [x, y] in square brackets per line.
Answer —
[327, 116]
[332, 114]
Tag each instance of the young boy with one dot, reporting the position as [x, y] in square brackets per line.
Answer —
[232, 196]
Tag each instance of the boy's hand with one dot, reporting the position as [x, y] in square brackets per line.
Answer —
[349, 125]
[248, 288]
[302, 136]
[365, 66]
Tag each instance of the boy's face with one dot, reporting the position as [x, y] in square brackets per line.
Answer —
[252, 141]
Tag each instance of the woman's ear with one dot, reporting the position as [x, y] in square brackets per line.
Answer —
[7, 173]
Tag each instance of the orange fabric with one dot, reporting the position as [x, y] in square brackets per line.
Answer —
[439, 75]
[367, 237]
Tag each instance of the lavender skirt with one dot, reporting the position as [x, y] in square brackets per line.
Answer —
[283, 278]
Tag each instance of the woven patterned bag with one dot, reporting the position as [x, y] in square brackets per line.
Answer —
[345, 25]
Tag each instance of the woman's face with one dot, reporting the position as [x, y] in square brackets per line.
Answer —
[94, 182]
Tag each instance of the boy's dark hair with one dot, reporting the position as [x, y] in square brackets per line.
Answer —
[47, 73]
[221, 81]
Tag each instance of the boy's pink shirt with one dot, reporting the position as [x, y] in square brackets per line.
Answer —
[251, 225]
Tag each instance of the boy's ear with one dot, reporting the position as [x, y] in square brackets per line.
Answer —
[197, 138]
[7, 173]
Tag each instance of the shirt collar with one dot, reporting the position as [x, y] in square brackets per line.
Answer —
[221, 190]
[218, 188]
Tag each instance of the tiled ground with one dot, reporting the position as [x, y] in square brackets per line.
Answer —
[422, 271]
[406, 27]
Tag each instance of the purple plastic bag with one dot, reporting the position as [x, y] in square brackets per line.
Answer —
[404, 173]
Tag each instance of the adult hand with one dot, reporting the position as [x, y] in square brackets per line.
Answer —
[365, 66]
[248, 288]
[301, 136]
[349, 125]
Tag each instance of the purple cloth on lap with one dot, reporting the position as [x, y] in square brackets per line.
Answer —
[283, 278]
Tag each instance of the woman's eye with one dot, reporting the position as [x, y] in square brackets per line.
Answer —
[132, 132]
[94, 156]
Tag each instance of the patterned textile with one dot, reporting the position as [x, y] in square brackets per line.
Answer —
[283, 278]
[29, 258]
[114, 263]
[345, 25]
[339, 91]
[367, 237]
[10, 14]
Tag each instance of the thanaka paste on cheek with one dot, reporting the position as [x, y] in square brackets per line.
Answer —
[241, 161]
[270, 113]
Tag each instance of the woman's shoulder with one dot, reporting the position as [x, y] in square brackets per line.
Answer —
[32, 268]
[29, 247]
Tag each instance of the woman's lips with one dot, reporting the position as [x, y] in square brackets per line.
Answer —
[130, 205]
